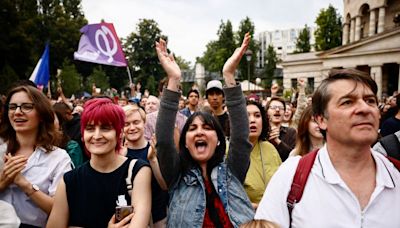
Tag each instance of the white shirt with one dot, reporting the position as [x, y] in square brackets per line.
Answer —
[328, 202]
[43, 169]
[8, 217]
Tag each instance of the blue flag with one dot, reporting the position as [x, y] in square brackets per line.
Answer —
[41, 74]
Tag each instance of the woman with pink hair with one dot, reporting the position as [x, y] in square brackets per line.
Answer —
[86, 197]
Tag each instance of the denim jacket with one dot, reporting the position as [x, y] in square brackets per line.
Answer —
[187, 190]
[188, 200]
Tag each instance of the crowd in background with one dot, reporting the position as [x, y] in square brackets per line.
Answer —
[195, 160]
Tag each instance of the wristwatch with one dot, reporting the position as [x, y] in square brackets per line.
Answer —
[35, 188]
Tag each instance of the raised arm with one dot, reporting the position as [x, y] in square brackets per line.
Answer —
[167, 154]
[239, 146]
[301, 102]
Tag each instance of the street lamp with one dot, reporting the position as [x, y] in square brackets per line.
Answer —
[248, 54]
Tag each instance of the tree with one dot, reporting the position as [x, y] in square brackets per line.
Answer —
[70, 79]
[218, 51]
[7, 78]
[303, 41]
[182, 63]
[27, 25]
[99, 78]
[329, 29]
[270, 66]
[246, 25]
[139, 47]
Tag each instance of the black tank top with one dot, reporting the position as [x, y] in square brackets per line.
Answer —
[92, 195]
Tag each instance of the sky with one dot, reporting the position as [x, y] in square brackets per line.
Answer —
[191, 24]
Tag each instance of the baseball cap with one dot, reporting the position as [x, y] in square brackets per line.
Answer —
[214, 84]
[134, 100]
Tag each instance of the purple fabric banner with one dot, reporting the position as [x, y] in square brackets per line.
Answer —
[99, 43]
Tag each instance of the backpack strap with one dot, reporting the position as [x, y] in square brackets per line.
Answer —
[395, 162]
[391, 145]
[128, 179]
[299, 181]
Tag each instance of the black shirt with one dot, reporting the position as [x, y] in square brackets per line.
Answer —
[159, 197]
[224, 122]
[92, 195]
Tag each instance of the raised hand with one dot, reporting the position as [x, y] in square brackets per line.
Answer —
[169, 65]
[301, 83]
[124, 223]
[233, 61]
[152, 153]
[274, 90]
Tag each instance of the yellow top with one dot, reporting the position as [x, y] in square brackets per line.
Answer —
[264, 161]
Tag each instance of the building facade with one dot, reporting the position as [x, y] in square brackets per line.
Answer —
[283, 41]
[370, 43]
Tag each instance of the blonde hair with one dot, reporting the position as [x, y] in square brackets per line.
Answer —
[255, 223]
[129, 109]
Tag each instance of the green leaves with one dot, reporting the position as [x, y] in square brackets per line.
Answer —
[329, 29]
[303, 41]
[139, 48]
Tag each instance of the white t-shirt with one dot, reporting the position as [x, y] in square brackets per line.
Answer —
[43, 169]
[328, 202]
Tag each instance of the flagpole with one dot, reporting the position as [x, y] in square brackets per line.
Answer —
[129, 74]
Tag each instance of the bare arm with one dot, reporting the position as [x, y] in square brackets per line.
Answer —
[301, 102]
[59, 215]
[141, 198]
[41, 199]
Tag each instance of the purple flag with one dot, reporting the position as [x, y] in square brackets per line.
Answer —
[99, 43]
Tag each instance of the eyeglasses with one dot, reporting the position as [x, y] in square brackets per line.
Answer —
[24, 107]
[275, 107]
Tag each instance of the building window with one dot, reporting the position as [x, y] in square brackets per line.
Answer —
[292, 34]
[310, 85]
[294, 83]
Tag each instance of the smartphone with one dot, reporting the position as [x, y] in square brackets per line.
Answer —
[122, 211]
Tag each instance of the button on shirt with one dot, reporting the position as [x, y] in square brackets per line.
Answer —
[328, 202]
[43, 169]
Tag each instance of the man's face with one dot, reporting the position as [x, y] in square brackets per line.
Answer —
[215, 98]
[134, 127]
[193, 99]
[276, 112]
[352, 114]
[152, 104]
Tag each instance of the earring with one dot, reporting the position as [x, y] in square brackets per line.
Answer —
[218, 143]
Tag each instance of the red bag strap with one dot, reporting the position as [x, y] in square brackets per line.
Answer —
[299, 180]
[395, 162]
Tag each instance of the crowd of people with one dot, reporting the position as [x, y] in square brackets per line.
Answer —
[224, 161]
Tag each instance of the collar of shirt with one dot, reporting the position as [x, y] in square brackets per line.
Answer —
[326, 170]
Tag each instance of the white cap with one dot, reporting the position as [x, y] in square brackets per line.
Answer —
[122, 201]
[214, 84]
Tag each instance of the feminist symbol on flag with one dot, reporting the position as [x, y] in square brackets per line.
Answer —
[99, 43]
[102, 33]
